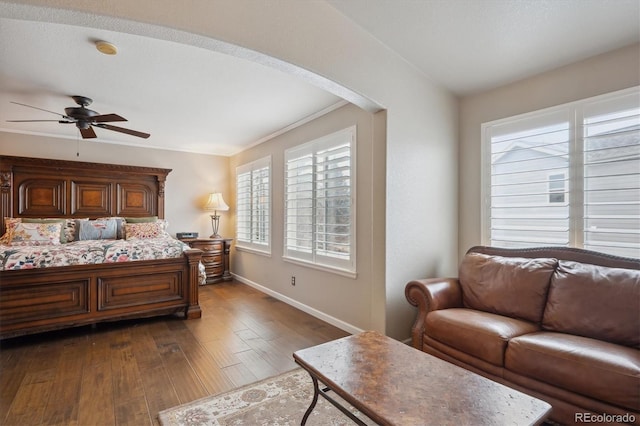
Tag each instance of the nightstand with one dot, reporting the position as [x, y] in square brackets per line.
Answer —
[215, 257]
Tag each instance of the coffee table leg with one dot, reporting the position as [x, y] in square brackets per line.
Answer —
[316, 392]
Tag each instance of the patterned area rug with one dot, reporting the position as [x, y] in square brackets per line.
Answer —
[277, 401]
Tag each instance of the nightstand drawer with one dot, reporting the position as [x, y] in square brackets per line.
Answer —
[207, 246]
[214, 271]
[215, 257]
[211, 258]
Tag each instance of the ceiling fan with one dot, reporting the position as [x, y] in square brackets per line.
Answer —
[85, 118]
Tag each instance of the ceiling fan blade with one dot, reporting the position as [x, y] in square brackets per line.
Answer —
[88, 133]
[34, 121]
[41, 109]
[123, 130]
[107, 117]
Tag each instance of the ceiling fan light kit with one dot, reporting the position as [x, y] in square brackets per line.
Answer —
[85, 118]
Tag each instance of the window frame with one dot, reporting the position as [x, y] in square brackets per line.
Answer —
[254, 245]
[314, 259]
[577, 113]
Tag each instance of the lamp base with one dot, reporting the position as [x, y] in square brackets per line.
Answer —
[215, 236]
[215, 223]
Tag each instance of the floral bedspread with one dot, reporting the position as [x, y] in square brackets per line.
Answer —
[89, 252]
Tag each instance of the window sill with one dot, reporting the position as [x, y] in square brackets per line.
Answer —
[253, 251]
[326, 268]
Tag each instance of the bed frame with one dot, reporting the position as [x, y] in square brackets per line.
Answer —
[44, 299]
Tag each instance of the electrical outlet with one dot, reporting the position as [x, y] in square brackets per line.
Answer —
[293, 280]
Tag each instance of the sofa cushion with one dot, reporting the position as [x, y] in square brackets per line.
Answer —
[596, 369]
[595, 301]
[512, 286]
[476, 333]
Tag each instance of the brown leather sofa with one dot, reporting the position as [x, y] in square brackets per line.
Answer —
[560, 324]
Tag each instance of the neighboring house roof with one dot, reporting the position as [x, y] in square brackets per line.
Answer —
[625, 140]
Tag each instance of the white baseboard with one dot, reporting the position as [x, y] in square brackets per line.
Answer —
[305, 308]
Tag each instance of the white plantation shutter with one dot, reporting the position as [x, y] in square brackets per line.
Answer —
[566, 176]
[299, 205]
[253, 199]
[612, 176]
[529, 159]
[319, 201]
[243, 206]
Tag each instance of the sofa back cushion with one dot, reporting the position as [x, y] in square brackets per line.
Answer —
[595, 301]
[511, 286]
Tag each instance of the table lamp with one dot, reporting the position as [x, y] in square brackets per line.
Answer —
[215, 203]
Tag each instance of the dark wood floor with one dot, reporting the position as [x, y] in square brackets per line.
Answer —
[124, 373]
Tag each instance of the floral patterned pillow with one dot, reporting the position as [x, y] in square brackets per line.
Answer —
[36, 233]
[62, 221]
[67, 235]
[143, 230]
[9, 225]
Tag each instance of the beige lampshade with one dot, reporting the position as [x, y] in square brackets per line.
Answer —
[216, 202]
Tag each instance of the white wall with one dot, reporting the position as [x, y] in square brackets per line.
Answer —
[601, 74]
[344, 301]
[312, 40]
[192, 177]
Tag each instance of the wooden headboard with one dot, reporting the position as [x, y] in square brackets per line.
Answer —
[40, 188]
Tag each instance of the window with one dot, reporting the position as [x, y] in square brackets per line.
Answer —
[253, 199]
[320, 202]
[557, 188]
[566, 176]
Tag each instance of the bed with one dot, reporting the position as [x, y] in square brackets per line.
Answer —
[50, 295]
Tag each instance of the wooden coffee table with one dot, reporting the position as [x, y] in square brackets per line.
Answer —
[395, 384]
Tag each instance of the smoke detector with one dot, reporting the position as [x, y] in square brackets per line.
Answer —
[106, 47]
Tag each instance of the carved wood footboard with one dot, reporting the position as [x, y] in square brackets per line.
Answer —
[44, 299]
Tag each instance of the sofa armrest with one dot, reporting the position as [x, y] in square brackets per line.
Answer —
[430, 295]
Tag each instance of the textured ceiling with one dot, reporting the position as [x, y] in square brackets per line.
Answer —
[199, 100]
[188, 98]
[474, 45]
